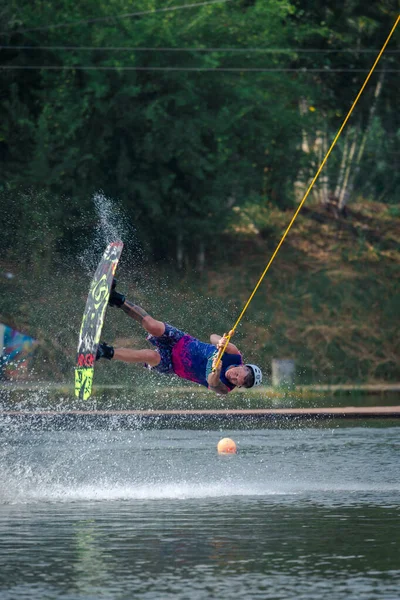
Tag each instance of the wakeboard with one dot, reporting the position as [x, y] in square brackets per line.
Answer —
[93, 318]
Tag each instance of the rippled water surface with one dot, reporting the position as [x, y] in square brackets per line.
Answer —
[300, 513]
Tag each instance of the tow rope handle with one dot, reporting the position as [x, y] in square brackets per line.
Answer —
[222, 350]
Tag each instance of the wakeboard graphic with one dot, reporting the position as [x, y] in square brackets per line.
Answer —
[93, 318]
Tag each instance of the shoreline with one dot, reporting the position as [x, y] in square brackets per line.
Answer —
[330, 411]
[309, 389]
[190, 419]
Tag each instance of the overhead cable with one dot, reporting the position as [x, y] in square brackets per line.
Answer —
[194, 69]
[188, 49]
[112, 17]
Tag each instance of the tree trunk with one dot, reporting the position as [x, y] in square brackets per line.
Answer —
[299, 184]
[179, 251]
[348, 186]
[324, 174]
[343, 162]
[201, 257]
[343, 194]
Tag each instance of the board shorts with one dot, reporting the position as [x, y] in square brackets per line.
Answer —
[164, 345]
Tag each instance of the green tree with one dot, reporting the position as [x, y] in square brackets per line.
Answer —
[348, 37]
[182, 149]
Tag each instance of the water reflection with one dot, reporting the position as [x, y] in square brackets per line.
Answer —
[139, 544]
[90, 568]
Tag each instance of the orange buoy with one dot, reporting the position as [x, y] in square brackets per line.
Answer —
[226, 446]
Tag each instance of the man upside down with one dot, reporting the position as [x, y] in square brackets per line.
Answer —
[178, 353]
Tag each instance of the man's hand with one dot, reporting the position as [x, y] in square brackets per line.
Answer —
[216, 369]
[220, 342]
[213, 380]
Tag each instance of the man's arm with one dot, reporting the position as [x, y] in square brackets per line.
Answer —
[214, 382]
[220, 342]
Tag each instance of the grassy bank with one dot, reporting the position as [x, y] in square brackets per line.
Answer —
[329, 301]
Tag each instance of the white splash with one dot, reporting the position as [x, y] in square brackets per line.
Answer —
[112, 225]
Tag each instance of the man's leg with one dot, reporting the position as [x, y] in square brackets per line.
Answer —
[150, 324]
[136, 312]
[128, 355]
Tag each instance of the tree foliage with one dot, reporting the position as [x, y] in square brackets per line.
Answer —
[178, 148]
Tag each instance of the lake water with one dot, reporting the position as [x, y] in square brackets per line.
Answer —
[300, 513]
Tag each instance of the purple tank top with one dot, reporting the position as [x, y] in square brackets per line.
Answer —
[191, 359]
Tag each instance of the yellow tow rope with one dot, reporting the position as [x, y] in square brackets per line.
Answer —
[232, 331]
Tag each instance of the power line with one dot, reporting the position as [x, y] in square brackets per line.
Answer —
[122, 16]
[164, 49]
[186, 69]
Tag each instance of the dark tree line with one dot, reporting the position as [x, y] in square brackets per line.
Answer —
[204, 127]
